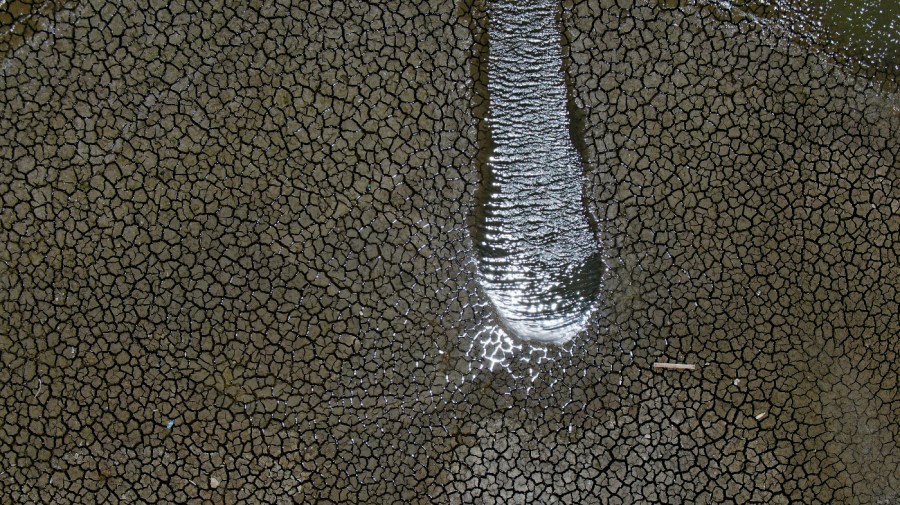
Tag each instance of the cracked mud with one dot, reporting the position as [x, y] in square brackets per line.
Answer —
[236, 267]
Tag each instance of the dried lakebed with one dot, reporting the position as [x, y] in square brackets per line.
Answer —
[236, 263]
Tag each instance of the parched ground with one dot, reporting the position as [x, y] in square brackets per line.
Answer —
[235, 263]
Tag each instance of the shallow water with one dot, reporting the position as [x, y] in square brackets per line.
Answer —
[539, 257]
[865, 33]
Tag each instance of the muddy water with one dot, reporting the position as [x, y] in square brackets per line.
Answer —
[236, 263]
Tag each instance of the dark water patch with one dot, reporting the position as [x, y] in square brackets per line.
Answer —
[862, 35]
[867, 31]
[539, 257]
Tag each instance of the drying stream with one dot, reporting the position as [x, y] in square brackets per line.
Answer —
[540, 260]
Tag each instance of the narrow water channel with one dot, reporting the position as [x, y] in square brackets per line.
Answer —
[540, 260]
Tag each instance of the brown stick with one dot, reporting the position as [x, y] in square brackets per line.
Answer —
[675, 366]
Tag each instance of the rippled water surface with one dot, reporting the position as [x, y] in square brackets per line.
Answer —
[540, 259]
